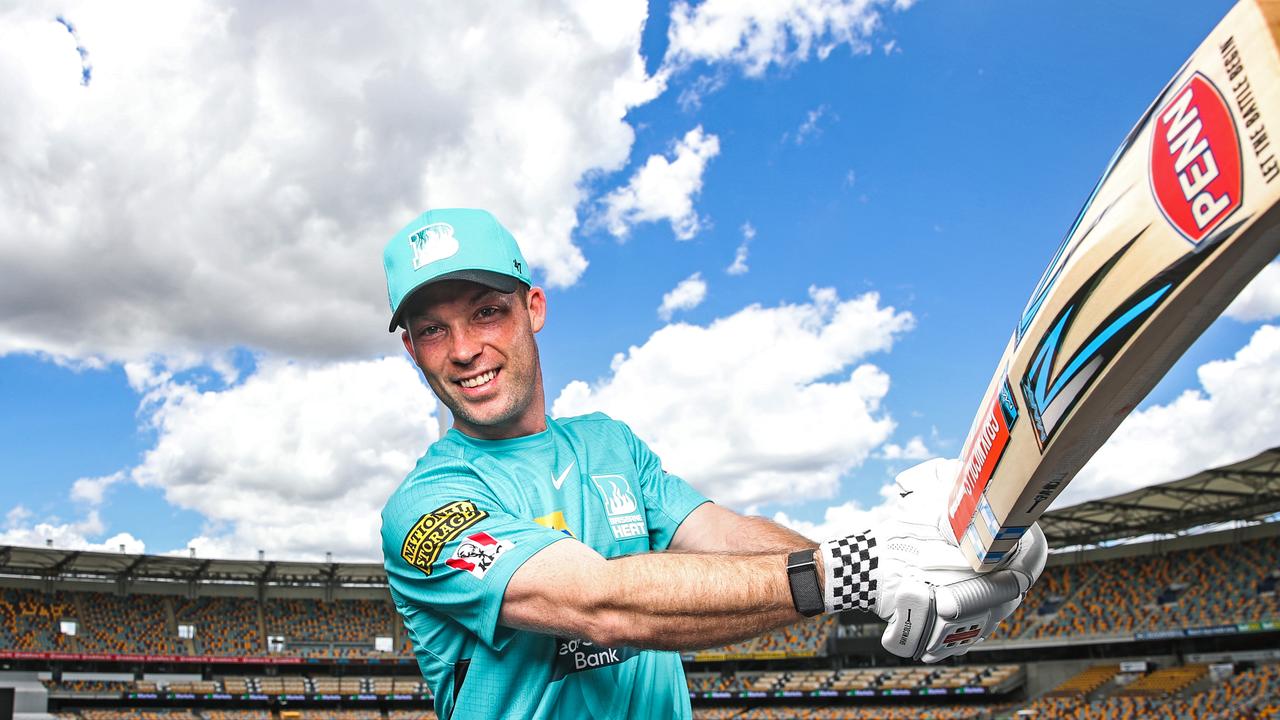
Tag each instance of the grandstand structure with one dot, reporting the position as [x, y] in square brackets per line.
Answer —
[1169, 609]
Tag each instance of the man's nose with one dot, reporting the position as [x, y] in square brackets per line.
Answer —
[463, 347]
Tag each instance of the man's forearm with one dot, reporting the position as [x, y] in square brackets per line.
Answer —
[670, 601]
[689, 601]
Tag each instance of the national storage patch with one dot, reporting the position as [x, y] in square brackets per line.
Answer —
[427, 537]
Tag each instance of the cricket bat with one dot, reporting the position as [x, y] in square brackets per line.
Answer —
[1183, 217]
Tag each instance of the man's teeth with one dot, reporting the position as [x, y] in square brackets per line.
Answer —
[478, 380]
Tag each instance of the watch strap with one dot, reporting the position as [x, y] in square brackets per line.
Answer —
[802, 575]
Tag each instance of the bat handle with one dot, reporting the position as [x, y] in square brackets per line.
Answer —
[980, 593]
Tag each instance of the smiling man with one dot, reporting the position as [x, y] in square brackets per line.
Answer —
[525, 554]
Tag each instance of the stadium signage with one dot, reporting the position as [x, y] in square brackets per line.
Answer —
[895, 692]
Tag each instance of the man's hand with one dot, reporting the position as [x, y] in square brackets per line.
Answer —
[912, 575]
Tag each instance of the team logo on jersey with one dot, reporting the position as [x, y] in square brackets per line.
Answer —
[431, 243]
[555, 521]
[427, 537]
[477, 553]
[621, 506]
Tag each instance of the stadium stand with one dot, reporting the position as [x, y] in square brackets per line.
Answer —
[1092, 609]
[223, 626]
[1086, 681]
[1251, 693]
[29, 621]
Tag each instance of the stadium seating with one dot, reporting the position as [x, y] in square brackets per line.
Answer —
[315, 625]
[1221, 584]
[125, 624]
[1246, 694]
[803, 638]
[223, 626]
[29, 620]
[1086, 681]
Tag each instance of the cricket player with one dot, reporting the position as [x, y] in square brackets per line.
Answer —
[548, 568]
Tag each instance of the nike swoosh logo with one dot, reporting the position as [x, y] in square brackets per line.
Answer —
[557, 482]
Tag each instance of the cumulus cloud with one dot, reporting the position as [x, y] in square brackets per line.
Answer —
[297, 460]
[73, 535]
[767, 404]
[758, 34]
[1260, 299]
[914, 450]
[917, 494]
[1235, 413]
[663, 189]
[233, 169]
[686, 295]
[92, 490]
[739, 264]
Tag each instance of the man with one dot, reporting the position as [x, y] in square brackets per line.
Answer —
[524, 553]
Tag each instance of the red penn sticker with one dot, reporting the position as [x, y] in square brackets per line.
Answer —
[1195, 160]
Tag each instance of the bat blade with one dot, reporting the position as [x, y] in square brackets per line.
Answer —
[1183, 217]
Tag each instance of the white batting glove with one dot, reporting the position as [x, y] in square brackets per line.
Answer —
[913, 576]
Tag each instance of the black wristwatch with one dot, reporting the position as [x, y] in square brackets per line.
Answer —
[802, 573]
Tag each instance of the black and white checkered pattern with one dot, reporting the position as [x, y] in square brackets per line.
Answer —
[848, 563]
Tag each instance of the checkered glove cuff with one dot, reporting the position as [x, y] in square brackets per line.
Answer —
[848, 563]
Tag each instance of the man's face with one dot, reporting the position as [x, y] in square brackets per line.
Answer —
[476, 348]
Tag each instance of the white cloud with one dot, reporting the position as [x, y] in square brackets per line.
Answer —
[91, 490]
[1233, 415]
[686, 295]
[757, 34]
[297, 460]
[1260, 299]
[65, 535]
[914, 450]
[234, 168]
[917, 494]
[739, 265]
[17, 515]
[767, 404]
[811, 127]
[664, 189]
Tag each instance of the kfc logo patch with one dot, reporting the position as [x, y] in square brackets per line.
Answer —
[477, 553]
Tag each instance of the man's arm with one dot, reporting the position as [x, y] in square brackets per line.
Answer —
[667, 601]
[711, 528]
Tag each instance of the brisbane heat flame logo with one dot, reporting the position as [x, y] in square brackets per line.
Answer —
[1195, 160]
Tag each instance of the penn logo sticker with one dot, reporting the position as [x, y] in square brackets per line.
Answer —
[427, 537]
[1195, 160]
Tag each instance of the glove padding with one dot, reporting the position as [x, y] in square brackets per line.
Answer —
[914, 576]
[934, 603]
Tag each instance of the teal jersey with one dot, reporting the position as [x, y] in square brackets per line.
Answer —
[472, 512]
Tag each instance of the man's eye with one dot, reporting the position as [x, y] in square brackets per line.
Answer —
[487, 312]
[429, 330]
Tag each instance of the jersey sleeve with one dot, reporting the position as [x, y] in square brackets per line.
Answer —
[450, 545]
[668, 499]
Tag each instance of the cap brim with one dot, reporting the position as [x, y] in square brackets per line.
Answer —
[497, 281]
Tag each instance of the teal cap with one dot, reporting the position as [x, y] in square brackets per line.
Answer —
[451, 244]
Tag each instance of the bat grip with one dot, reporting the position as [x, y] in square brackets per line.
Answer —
[980, 593]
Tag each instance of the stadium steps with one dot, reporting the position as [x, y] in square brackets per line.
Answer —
[261, 613]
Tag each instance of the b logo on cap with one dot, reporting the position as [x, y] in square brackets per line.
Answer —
[431, 243]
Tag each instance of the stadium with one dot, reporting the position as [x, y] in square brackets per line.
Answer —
[1156, 603]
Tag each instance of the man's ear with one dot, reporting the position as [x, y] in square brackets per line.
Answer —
[537, 304]
[408, 345]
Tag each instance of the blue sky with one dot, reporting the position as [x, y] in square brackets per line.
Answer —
[935, 161]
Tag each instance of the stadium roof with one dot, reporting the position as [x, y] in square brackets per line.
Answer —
[1246, 490]
[70, 564]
